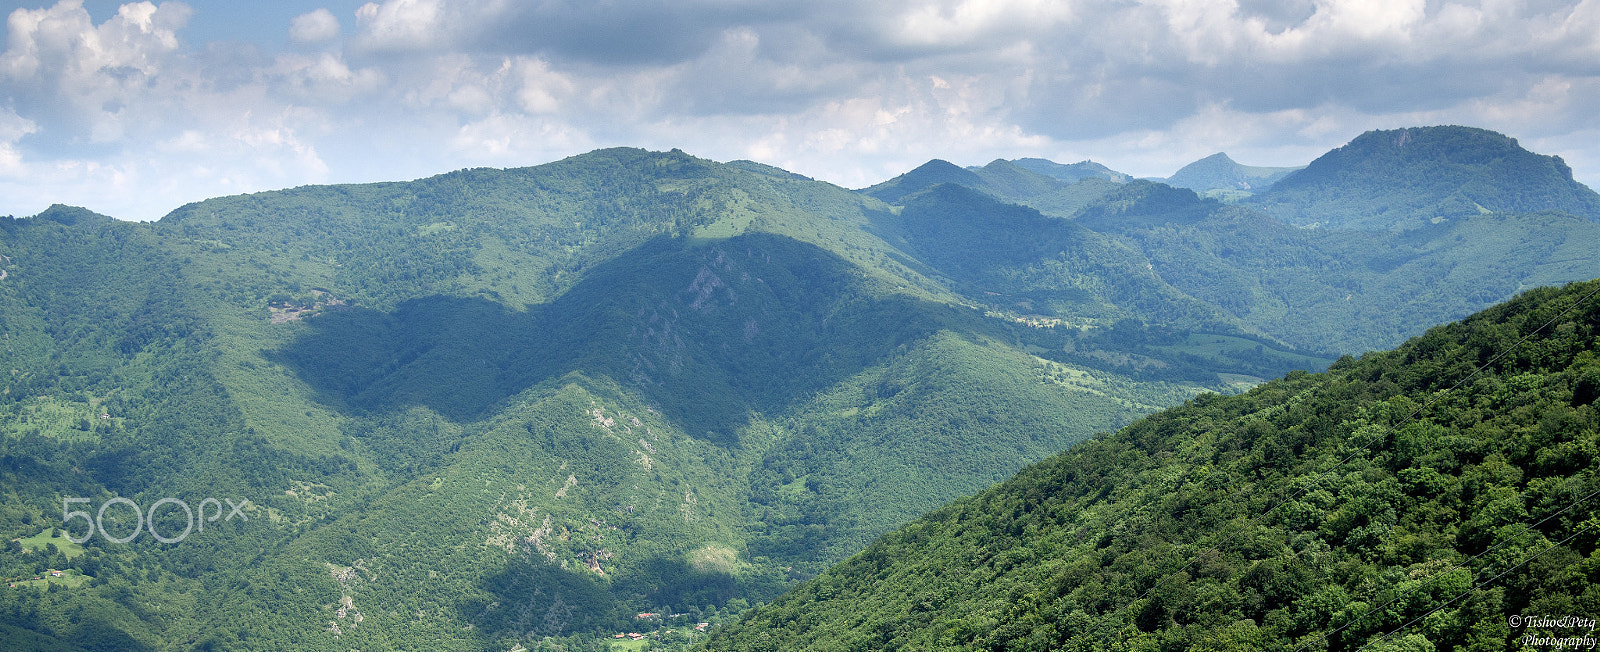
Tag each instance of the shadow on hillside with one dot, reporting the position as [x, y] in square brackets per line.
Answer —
[708, 333]
[91, 632]
[993, 249]
[534, 598]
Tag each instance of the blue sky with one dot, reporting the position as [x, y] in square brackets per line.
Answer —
[133, 109]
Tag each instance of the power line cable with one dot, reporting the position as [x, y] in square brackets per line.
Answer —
[1479, 586]
[1430, 579]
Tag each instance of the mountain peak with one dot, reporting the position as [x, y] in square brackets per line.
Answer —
[932, 173]
[73, 216]
[1220, 172]
[1085, 169]
[937, 166]
[1404, 178]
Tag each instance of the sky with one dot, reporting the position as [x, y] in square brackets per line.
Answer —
[134, 109]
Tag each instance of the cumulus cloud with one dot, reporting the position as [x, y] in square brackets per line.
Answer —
[314, 27]
[95, 80]
[124, 117]
[844, 91]
[946, 24]
[505, 139]
[405, 25]
[12, 128]
[324, 78]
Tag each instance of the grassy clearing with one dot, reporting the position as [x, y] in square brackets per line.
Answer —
[37, 543]
[1240, 382]
[1228, 349]
[70, 578]
[55, 418]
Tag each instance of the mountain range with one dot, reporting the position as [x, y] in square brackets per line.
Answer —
[526, 407]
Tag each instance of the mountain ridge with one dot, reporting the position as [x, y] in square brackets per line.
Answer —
[1403, 178]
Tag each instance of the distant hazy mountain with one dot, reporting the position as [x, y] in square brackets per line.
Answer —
[1347, 290]
[1405, 178]
[1073, 172]
[1001, 179]
[1219, 172]
[924, 176]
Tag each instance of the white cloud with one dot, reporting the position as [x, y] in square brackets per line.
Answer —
[12, 128]
[61, 40]
[946, 24]
[540, 88]
[314, 27]
[149, 183]
[401, 25]
[102, 77]
[847, 92]
[508, 139]
[324, 78]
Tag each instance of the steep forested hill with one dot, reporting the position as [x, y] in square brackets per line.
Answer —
[1405, 178]
[1418, 499]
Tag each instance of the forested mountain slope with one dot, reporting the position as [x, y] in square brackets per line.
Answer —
[1430, 495]
[1353, 290]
